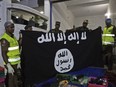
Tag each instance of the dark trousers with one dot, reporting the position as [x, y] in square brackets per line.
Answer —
[15, 79]
[108, 56]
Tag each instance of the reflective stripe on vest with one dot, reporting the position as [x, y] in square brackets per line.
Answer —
[14, 59]
[13, 48]
[106, 43]
[112, 35]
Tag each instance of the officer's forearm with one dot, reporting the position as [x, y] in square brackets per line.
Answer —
[5, 58]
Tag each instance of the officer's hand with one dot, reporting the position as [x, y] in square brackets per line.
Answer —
[10, 69]
[5, 71]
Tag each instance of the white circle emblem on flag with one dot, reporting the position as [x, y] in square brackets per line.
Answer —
[64, 61]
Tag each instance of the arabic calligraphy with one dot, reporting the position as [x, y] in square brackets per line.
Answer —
[49, 37]
[63, 61]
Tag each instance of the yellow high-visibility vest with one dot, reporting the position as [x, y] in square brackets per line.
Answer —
[13, 50]
[107, 36]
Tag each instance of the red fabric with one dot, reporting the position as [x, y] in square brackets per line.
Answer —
[1, 68]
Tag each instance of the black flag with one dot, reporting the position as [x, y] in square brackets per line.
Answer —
[46, 54]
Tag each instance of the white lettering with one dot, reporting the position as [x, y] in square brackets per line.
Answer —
[41, 39]
[49, 37]
[60, 37]
[83, 36]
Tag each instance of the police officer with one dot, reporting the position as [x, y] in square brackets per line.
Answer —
[56, 29]
[10, 54]
[26, 28]
[108, 39]
[84, 26]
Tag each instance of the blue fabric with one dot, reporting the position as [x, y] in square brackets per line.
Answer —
[90, 71]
